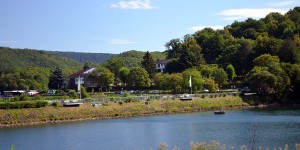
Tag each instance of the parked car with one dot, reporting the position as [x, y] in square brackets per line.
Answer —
[205, 90]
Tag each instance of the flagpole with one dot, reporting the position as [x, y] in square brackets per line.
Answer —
[190, 82]
[79, 87]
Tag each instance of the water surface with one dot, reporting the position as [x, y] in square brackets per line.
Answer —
[273, 128]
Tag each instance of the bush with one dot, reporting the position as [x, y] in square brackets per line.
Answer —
[84, 94]
[16, 99]
[55, 104]
[24, 97]
[126, 94]
[23, 104]
[38, 97]
[73, 94]
[120, 103]
[202, 96]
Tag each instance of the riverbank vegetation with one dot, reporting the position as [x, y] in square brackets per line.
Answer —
[215, 145]
[115, 109]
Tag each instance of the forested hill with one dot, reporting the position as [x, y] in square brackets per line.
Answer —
[12, 59]
[239, 43]
[84, 57]
[133, 58]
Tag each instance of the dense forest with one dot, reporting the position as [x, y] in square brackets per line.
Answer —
[84, 57]
[14, 59]
[264, 52]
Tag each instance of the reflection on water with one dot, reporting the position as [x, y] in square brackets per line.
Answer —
[271, 128]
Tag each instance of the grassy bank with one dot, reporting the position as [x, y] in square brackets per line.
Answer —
[18, 117]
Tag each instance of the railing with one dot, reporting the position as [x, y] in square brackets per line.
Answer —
[142, 97]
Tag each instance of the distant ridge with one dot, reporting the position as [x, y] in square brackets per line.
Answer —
[82, 57]
[12, 59]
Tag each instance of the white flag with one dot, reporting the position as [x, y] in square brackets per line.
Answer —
[190, 82]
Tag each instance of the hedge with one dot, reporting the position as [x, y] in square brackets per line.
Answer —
[23, 104]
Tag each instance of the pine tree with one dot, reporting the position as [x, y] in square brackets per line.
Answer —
[149, 65]
[56, 80]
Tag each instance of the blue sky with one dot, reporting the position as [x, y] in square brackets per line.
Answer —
[115, 26]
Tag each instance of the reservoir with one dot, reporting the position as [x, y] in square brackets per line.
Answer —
[251, 127]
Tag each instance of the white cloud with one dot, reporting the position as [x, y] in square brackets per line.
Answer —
[120, 42]
[197, 28]
[244, 13]
[134, 4]
[7, 41]
[282, 3]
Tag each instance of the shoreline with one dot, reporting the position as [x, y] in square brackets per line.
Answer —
[60, 115]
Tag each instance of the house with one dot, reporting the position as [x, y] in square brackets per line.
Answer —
[73, 79]
[161, 65]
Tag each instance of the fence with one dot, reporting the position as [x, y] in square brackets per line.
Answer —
[142, 97]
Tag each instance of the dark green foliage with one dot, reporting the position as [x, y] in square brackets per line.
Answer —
[230, 72]
[138, 77]
[13, 59]
[101, 76]
[133, 58]
[73, 94]
[220, 76]
[123, 73]
[84, 93]
[26, 78]
[24, 97]
[57, 80]
[84, 57]
[23, 104]
[149, 64]
[114, 64]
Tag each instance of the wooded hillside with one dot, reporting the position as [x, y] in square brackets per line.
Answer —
[13, 59]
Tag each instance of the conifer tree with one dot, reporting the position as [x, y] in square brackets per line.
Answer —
[149, 65]
[56, 80]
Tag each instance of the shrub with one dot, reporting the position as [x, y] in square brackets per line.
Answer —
[120, 103]
[55, 104]
[126, 94]
[73, 94]
[24, 97]
[38, 97]
[23, 104]
[16, 99]
[202, 96]
[84, 94]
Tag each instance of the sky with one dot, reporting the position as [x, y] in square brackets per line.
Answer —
[116, 26]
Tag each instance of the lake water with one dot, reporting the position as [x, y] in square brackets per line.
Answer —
[274, 128]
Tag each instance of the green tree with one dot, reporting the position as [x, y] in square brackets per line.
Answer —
[162, 80]
[211, 85]
[268, 78]
[123, 74]
[57, 80]
[138, 77]
[191, 53]
[173, 48]
[265, 60]
[197, 81]
[230, 72]
[174, 66]
[148, 64]
[114, 64]
[101, 76]
[206, 70]
[220, 76]
[176, 82]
